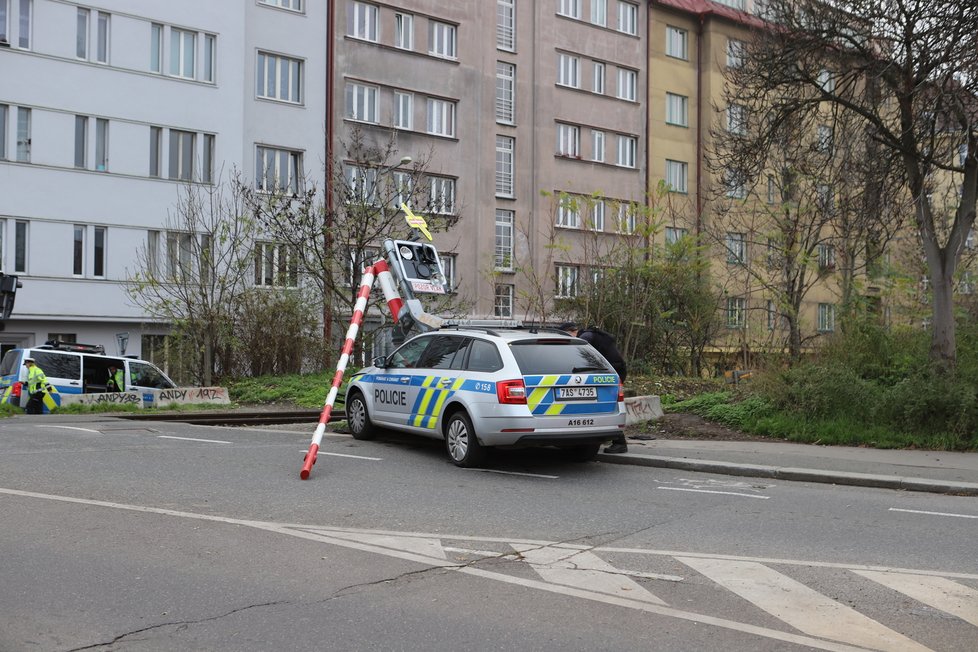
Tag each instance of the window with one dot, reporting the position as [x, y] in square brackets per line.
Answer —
[736, 248]
[566, 281]
[183, 47]
[503, 302]
[569, 8]
[403, 31]
[598, 80]
[23, 134]
[735, 183]
[627, 84]
[626, 217]
[597, 146]
[826, 81]
[442, 195]
[361, 102]
[736, 312]
[505, 146]
[4, 35]
[568, 70]
[441, 117]
[101, 144]
[403, 110]
[207, 164]
[772, 315]
[279, 78]
[24, 25]
[210, 52]
[448, 266]
[826, 257]
[294, 5]
[277, 170]
[81, 39]
[599, 12]
[179, 254]
[276, 265]
[505, 92]
[78, 250]
[20, 247]
[504, 240]
[153, 261]
[361, 185]
[675, 234]
[102, 38]
[362, 21]
[403, 189]
[826, 317]
[182, 154]
[597, 215]
[568, 140]
[825, 138]
[81, 141]
[677, 110]
[155, 149]
[676, 42]
[441, 40]
[825, 198]
[735, 53]
[737, 119]
[506, 25]
[966, 285]
[567, 212]
[676, 176]
[4, 110]
[627, 17]
[98, 254]
[772, 190]
[627, 147]
[155, 48]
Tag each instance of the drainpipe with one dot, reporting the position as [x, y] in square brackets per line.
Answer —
[328, 182]
[648, 130]
[699, 126]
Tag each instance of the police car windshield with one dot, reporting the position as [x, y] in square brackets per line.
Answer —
[557, 356]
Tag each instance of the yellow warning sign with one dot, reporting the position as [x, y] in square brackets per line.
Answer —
[415, 221]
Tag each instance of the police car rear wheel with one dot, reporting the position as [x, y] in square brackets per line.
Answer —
[359, 419]
[463, 447]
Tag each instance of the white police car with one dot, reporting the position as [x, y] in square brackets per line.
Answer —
[487, 387]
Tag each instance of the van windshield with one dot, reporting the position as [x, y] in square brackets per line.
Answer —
[9, 364]
[558, 356]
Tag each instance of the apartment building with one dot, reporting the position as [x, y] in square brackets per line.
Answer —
[107, 110]
[512, 99]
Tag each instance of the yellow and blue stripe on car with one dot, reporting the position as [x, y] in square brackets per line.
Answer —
[542, 400]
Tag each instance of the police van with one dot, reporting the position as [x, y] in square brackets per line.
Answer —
[73, 368]
[478, 388]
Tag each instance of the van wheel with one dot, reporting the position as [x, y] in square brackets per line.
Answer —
[463, 447]
[361, 427]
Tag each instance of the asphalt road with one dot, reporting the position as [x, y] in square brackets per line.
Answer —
[125, 536]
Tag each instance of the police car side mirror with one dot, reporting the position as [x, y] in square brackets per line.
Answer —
[380, 361]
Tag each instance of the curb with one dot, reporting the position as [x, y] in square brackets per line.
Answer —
[796, 474]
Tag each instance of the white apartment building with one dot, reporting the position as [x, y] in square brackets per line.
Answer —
[107, 109]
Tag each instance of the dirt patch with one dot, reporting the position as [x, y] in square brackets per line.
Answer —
[679, 425]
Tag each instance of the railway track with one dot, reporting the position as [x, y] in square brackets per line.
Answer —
[237, 417]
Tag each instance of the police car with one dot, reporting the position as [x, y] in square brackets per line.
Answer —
[491, 387]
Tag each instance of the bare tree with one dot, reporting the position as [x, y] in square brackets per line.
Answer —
[335, 232]
[905, 70]
[192, 273]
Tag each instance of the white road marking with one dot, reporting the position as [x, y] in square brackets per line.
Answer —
[710, 491]
[528, 475]
[355, 457]
[799, 606]
[338, 536]
[99, 432]
[207, 441]
[919, 511]
[583, 570]
[938, 592]
[513, 557]
[422, 546]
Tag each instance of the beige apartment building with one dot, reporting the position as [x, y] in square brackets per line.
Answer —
[516, 102]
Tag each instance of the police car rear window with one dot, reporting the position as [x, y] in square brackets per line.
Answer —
[558, 356]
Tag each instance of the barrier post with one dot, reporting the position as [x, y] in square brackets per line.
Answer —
[351, 335]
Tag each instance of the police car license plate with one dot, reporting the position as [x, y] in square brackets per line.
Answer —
[576, 393]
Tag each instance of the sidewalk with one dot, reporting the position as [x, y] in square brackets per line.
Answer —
[910, 470]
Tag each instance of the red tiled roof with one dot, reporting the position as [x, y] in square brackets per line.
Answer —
[706, 7]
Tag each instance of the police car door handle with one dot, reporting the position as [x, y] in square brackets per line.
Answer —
[74, 382]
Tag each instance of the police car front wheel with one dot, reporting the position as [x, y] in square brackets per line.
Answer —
[361, 427]
[463, 447]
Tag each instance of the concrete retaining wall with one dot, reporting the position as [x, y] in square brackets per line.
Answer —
[153, 397]
[642, 408]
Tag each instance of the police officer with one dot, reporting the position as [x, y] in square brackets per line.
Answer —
[605, 344]
[36, 381]
[116, 383]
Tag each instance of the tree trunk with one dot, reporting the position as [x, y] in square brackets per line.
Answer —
[943, 350]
